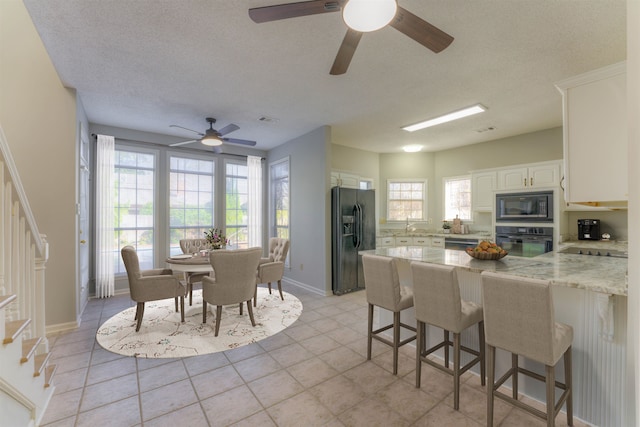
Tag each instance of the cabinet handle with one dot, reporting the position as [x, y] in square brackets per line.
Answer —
[525, 182]
[531, 181]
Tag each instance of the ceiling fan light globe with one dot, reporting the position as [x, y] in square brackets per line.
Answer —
[368, 15]
[211, 141]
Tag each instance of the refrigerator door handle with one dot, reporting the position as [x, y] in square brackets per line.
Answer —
[356, 226]
[360, 226]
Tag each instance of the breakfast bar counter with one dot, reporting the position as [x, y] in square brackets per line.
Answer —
[589, 294]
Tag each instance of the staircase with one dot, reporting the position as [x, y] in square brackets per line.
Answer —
[25, 372]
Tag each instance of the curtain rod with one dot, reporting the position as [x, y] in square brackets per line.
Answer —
[93, 135]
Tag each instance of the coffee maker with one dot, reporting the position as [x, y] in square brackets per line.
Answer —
[588, 229]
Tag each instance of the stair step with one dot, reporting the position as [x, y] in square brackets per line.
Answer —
[48, 374]
[13, 330]
[6, 300]
[40, 363]
[28, 348]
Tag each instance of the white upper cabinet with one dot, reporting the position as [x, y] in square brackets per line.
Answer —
[483, 184]
[340, 179]
[533, 176]
[595, 136]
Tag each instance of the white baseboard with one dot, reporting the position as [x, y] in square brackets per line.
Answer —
[304, 286]
[61, 327]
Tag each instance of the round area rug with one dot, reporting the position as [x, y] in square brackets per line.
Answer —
[162, 335]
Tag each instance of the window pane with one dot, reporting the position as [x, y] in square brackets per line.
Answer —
[406, 200]
[236, 204]
[191, 184]
[457, 198]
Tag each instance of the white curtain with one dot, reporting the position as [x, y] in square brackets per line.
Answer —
[105, 246]
[254, 205]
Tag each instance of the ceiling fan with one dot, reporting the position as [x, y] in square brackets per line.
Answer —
[213, 138]
[404, 21]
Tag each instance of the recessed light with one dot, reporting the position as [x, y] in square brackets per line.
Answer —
[455, 115]
[412, 148]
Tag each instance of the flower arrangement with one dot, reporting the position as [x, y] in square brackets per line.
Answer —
[215, 238]
[445, 224]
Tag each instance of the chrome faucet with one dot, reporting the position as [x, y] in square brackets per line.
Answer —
[409, 227]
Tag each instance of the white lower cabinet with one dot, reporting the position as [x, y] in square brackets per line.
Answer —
[421, 241]
[382, 242]
[437, 242]
[404, 241]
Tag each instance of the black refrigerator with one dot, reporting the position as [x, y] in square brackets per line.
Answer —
[353, 229]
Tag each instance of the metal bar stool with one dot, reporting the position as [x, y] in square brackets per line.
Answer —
[383, 289]
[519, 318]
[436, 296]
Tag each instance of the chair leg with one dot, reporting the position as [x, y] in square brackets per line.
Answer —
[255, 296]
[369, 330]
[182, 309]
[568, 374]
[456, 371]
[420, 337]
[136, 316]
[550, 380]
[491, 373]
[269, 285]
[204, 311]
[250, 311]
[190, 290]
[218, 317]
[514, 377]
[483, 370]
[396, 340]
[240, 309]
[280, 289]
[139, 314]
[446, 348]
[176, 299]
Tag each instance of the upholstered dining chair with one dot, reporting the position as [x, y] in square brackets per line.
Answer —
[384, 290]
[150, 285]
[437, 302]
[271, 269]
[192, 246]
[519, 317]
[234, 281]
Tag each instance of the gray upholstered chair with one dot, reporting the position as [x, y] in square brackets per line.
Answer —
[437, 302]
[384, 290]
[234, 282]
[150, 285]
[192, 246]
[271, 269]
[519, 318]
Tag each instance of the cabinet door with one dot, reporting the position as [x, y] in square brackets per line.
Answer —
[483, 185]
[335, 179]
[512, 179]
[385, 242]
[544, 176]
[595, 143]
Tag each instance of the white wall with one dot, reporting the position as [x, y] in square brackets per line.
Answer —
[38, 116]
[310, 203]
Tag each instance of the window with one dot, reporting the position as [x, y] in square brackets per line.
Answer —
[191, 196]
[457, 198]
[134, 206]
[236, 204]
[406, 200]
[279, 182]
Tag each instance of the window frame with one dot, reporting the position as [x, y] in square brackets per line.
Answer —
[273, 226]
[225, 195]
[424, 200]
[448, 179]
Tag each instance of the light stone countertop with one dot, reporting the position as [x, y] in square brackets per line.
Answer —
[606, 275]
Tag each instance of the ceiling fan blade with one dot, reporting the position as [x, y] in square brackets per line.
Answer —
[190, 130]
[178, 144]
[293, 10]
[228, 129]
[346, 51]
[240, 141]
[420, 30]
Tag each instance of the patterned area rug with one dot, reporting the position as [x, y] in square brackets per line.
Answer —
[162, 335]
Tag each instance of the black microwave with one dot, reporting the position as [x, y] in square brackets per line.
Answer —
[525, 207]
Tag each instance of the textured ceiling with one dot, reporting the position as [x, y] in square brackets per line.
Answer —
[147, 64]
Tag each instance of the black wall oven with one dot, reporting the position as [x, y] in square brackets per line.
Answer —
[525, 207]
[525, 241]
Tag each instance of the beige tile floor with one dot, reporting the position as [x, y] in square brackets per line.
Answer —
[313, 373]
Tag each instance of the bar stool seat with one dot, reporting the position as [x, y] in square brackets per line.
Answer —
[436, 295]
[383, 289]
[519, 318]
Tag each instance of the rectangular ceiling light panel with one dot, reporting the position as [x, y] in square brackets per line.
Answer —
[465, 112]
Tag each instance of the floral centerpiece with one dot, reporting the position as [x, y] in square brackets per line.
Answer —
[215, 238]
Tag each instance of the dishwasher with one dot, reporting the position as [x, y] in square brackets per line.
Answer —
[459, 243]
